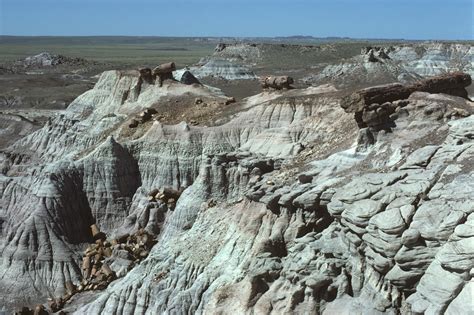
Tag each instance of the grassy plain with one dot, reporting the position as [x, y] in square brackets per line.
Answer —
[116, 50]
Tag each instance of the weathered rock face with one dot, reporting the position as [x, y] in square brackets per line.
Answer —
[405, 63]
[46, 60]
[106, 180]
[284, 209]
[229, 62]
[14, 127]
[335, 244]
[243, 52]
[224, 69]
[376, 54]
[377, 106]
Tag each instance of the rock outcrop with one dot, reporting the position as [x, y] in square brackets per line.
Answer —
[189, 78]
[403, 63]
[224, 69]
[47, 60]
[247, 53]
[378, 106]
[288, 207]
[329, 242]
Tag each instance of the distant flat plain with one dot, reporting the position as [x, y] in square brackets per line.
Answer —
[135, 50]
[120, 50]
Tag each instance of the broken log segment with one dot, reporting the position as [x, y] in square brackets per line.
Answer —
[276, 82]
[164, 72]
[146, 75]
[96, 233]
[133, 123]
[86, 266]
[98, 259]
[40, 310]
[107, 271]
[70, 287]
[373, 106]
[164, 68]
[451, 83]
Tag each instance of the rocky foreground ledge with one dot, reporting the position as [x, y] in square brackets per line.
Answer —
[301, 203]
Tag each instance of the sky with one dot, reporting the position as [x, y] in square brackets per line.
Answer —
[408, 19]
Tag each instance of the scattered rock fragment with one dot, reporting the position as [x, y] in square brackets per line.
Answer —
[166, 194]
[96, 233]
[96, 263]
[305, 178]
[229, 100]
[277, 83]
[39, 310]
[133, 124]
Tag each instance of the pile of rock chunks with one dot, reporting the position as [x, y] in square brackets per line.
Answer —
[102, 262]
[166, 195]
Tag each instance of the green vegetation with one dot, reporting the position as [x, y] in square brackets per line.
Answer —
[112, 50]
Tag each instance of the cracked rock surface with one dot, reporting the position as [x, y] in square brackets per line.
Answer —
[290, 207]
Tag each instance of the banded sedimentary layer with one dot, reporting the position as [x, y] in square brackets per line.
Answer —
[292, 206]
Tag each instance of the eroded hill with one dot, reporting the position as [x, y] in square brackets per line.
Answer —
[311, 200]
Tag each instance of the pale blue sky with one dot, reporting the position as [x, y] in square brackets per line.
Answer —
[409, 19]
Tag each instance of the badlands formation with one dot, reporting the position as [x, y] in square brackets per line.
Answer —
[316, 200]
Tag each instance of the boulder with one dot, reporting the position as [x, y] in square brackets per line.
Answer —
[277, 83]
[96, 233]
[133, 123]
[188, 78]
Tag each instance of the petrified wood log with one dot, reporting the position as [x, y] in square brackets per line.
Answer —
[70, 287]
[145, 74]
[96, 233]
[452, 83]
[280, 82]
[164, 68]
[372, 106]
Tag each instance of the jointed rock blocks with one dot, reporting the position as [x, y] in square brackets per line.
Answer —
[347, 231]
[167, 195]
[378, 106]
[96, 233]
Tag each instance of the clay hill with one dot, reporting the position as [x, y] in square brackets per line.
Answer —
[156, 193]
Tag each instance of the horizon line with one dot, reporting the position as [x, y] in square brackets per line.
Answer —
[246, 37]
